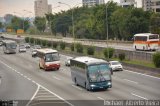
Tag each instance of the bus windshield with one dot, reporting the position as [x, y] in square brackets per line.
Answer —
[11, 45]
[51, 57]
[98, 73]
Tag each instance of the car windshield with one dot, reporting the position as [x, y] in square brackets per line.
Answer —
[37, 47]
[11, 45]
[51, 57]
[99, 72]
[21, 47]
[115, 63]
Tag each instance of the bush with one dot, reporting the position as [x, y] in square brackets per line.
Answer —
[38, 42]
[32, 40]
[49, 43]
[72, 47]
[55, 45]
[90, 50]
[44, 42]
[121, 56]
[27, 39]
[111, 52]
[156, 59]
[79, 48]
[62, 45]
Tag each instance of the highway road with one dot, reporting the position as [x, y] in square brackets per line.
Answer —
[121, 46]
[58, 89]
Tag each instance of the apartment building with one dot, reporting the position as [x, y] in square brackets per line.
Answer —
[92, 2]
[41, 8]
[151, 5]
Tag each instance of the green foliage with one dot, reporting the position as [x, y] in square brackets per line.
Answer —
[155, 23]
[55, 44]
[62, 45]
[18, 23]
[38, 41]
[27, 39]
[156, 59]
[44, 42]
[49, 43]
[79, 47]
[32, 40]
[110, 51]
[90, 50]
[40, 23]
[1, 25]
[121, 56]
[72, 47]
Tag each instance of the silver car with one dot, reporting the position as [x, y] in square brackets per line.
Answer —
[116, 65]
[67, 62]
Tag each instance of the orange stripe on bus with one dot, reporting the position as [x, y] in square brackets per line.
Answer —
[146, 42]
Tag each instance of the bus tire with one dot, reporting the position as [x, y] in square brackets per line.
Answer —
[143, 48]
[88, 89]
[75, 81]
[135, 48]
[40, 66]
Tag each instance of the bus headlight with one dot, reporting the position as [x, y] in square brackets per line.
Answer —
[109, 83]
[92, 85]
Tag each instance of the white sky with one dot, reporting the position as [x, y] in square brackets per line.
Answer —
[11, 6]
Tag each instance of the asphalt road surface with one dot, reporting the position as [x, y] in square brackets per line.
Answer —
[21, 76]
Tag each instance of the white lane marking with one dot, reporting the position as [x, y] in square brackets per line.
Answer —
[0, 80]
[139, 96]
[42, 87]
[100, 98]
[45, 96]
[142, 74]
[131, 81]
[33, 95]
[57, 96]
[76, 87]
[56, 78]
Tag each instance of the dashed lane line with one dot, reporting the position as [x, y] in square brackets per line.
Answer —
[139, 96]
[38, 86]
[131, 81]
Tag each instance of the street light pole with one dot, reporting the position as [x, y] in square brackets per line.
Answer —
[73, 34]
[107, 28]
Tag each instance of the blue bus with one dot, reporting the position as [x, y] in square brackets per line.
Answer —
[91, 73]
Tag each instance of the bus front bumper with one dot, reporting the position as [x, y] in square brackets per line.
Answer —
[53, 66]
[101, 85]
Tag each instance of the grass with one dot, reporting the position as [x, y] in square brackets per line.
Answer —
[142, 63]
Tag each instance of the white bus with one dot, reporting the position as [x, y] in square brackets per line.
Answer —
[9, 46]
[49, 59]
[91, 73]
[146, 41]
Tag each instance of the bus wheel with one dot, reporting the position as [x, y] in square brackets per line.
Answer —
[88, 89]
[75, 81]
[143, 48]
[40, 66]
[135, 48]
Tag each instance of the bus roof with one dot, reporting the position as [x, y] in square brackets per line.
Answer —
[144, 34]
[46, 50]
[89, 60]
[8, 41]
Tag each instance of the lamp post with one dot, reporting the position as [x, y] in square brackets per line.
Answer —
[73, 34]
[107, 28]
[50, 20]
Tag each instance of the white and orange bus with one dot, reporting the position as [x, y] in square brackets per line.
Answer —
[49, 59]
[146, 41]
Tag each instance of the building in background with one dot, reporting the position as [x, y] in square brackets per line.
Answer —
[41, 8]
[127, 3]
[151, 5]
[92, 2]
[8, 18]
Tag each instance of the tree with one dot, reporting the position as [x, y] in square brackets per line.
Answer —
[16, 23]
[40, 23]
[1, 25]
[155, 23]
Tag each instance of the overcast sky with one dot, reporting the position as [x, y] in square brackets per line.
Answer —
[11, 6]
